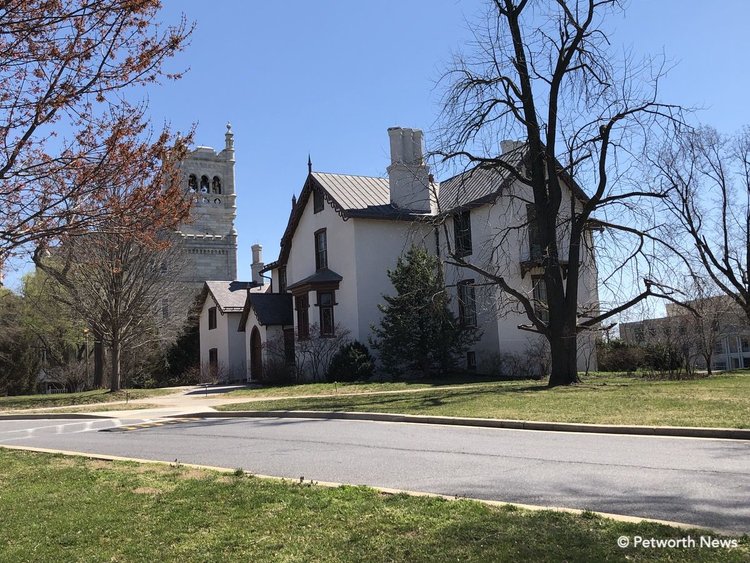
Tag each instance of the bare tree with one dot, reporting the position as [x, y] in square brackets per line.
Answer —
[123, 287]
[543, 73]
[313, 354]
[707, 177]
[707, 317]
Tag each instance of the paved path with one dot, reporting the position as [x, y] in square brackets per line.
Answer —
[198, 399]
[698, 481]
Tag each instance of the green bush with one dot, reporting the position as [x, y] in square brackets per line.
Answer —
[353, 362]
[617, 356]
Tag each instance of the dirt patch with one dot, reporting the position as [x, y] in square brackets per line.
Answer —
[150, 468]
[147, 491]
[99, 464]
[66, 462]
[192, 473]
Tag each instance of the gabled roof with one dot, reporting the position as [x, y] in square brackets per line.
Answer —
[354, 192]
[230, 295]
[480, 185]
[350, 196]
[270, 309]
[359, 196]
[473, 187]
[368, 197]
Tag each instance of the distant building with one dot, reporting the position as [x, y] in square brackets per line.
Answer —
[210, 238]
[724, 327]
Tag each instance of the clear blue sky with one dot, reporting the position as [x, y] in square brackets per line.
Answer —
[329, 77]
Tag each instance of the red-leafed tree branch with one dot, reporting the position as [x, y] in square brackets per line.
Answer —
[74, 154]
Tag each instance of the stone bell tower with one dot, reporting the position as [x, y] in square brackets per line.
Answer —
[209, 238]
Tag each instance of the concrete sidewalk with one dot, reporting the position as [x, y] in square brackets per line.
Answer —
[197, 399]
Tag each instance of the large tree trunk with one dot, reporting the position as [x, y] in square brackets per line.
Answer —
[114, 383]
[564, 357]
[98, 361]
[708, 358]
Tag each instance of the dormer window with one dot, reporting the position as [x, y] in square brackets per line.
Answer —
[317, 201]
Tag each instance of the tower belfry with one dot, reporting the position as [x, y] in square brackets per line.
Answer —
[210, 238]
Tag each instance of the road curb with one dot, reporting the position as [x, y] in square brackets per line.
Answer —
[383, 490]
[52, 416]
[678, 431]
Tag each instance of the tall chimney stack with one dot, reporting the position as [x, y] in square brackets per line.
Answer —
[257, 264]
[408, 175]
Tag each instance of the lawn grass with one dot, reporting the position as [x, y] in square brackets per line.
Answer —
[718, 401]
[22, 402]
[71, 509]
[351, 387]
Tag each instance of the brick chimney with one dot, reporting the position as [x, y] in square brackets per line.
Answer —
[257, 264]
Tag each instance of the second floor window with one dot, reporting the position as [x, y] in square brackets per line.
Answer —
[212, 318]
[321, 250]
[282, 279]
[467, 304]
[462, 233]
[303, 320]
[540, 298]
[535, 241]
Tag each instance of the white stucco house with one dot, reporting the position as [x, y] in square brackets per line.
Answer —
[345, 232]
[222, 346]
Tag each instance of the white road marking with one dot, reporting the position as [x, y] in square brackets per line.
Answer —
[88, 426]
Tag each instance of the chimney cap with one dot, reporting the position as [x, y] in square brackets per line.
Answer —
[507, 145]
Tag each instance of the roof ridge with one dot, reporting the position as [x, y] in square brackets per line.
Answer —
[353, 175]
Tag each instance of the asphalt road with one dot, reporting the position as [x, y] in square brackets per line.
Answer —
[698, 481]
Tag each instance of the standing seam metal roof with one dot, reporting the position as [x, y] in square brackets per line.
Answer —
[355, 192]
[366, 196]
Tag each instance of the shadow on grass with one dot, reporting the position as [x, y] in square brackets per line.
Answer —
[440, 381]
[391, 403]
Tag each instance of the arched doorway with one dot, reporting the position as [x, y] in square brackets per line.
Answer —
[256, 355]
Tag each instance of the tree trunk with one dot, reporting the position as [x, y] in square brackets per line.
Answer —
[98, 362]
[708, 358]
[564, 357]
[114, 383]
